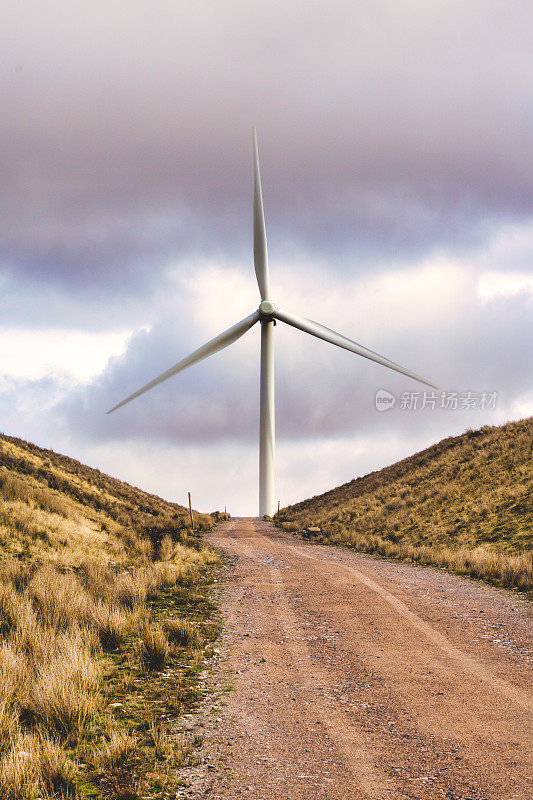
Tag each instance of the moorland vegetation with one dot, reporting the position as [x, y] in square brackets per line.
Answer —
[464, 504]
[105, 623]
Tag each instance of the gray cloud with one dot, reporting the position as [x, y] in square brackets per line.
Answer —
[384, 131]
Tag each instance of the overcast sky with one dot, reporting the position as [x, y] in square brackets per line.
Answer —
[397, 168]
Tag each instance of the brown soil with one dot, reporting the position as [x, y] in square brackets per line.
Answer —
[355, 677]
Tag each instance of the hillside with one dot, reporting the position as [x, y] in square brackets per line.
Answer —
[465, 504]
[104, 626]
[53, 504]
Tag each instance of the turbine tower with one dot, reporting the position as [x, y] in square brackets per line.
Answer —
[267, 314]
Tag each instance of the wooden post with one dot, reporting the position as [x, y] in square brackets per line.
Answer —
[190, 511]
[278, 506]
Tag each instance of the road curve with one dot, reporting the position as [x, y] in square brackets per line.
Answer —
[354, 677]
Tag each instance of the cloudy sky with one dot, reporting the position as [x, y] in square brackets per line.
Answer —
[396, 155]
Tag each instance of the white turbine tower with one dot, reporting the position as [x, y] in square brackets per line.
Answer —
[266, 314]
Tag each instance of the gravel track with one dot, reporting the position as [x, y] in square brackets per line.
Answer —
[354, 677]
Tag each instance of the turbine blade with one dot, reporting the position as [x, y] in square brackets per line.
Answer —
[260, 242]
[213, 346]
[321, 332]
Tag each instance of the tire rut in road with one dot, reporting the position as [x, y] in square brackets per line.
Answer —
[464, 661]
[350, 741]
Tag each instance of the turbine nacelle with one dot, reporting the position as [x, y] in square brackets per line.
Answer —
[267, 309]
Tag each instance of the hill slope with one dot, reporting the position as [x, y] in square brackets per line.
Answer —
[55, 507]
[104, 622]
[465, 503]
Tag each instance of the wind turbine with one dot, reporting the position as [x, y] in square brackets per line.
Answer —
[267, 314]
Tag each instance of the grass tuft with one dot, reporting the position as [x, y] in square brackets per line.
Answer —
[64, 696]
[19, 770]
[116, 751]
[163, 744]
[154, 648]
[57, 772]
[112, 625]
[182, 633]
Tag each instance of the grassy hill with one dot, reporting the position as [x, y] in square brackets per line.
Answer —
[104, 625]
[465, 504]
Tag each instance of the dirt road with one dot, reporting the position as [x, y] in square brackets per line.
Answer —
[359, 678]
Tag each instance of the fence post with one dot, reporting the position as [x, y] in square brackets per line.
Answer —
[190, 512]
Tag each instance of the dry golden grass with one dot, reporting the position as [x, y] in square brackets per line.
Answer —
[112, 624]
[37, 768]
[84, 559]
[63, 697]
[54, 632]
[115, 751]
[54, 508]
[130, 590]
[465, 504]
[57, 772]
[19, 770]
[65, 487]
[163, 744]
[182, 633]
[153, 650]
